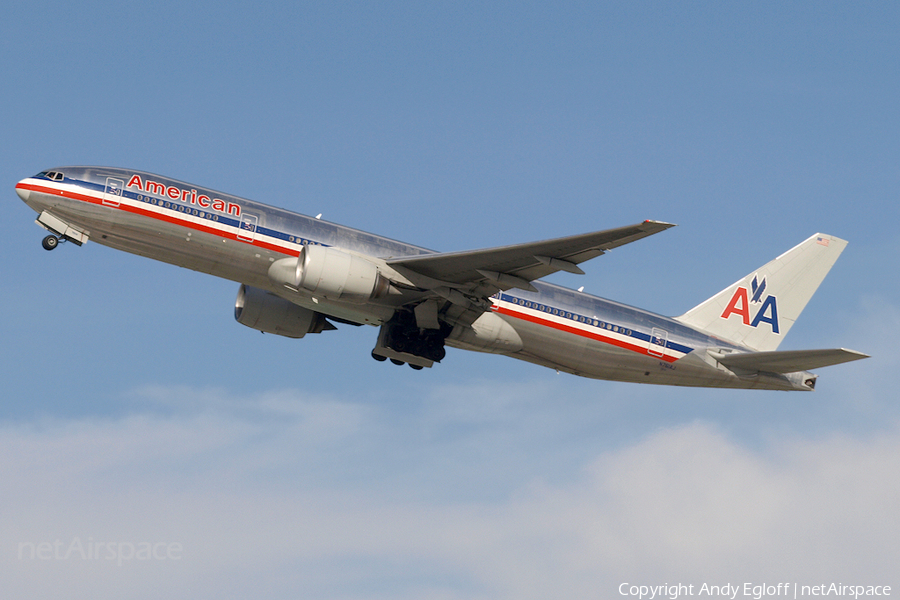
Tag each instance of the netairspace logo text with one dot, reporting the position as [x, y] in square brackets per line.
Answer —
[757, 591]
[120, 552]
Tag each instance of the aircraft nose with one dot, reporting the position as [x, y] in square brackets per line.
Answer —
[23, 192]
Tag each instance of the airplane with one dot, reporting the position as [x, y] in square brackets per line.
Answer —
[300, 275]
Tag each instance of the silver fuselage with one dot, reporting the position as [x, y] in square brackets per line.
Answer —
[239, 239]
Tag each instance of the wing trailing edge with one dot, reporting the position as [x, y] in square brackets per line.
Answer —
[515, 266]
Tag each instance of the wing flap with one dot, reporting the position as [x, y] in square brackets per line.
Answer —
[526, 262]
[788, 361]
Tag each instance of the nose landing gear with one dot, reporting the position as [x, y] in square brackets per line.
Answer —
[60, 231]
[50, 242]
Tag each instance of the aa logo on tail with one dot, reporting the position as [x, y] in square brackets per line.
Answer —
[740, 305]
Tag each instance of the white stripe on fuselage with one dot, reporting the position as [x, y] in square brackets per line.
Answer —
[172, 211]
[590, 327]
[181, 213]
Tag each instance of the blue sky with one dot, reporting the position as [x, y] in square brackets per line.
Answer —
[136, 410]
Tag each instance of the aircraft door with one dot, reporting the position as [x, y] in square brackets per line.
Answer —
[248, 228]
[112, 194]
[658, 339]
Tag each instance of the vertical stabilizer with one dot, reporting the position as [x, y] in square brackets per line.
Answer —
[758, 310]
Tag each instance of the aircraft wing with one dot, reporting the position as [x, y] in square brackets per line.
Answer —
[788, 361]
[515, 266]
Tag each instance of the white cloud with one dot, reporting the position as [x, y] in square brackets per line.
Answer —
[322, 497]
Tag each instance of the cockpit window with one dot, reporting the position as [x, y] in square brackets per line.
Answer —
[53, 175]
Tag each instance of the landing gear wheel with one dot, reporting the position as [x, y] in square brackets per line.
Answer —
[378, 357]
[50, 242]
[416, 367]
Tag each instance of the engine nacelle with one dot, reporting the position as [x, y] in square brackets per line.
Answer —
[332, 274]
[266, 312]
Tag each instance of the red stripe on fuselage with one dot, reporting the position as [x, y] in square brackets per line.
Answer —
[581, 332]
[281, 250]
[155, 215]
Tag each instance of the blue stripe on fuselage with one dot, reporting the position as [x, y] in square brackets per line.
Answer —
[177, 206]
[591, 321]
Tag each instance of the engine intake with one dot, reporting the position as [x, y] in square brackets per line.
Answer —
[331, 273]
[266, 312]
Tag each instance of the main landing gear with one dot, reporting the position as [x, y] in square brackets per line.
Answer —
[403, 342]
[395, 361]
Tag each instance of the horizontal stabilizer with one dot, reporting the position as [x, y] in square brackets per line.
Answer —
[787, 361]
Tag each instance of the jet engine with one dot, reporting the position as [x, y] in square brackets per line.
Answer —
[262, 310]
[332, 274]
